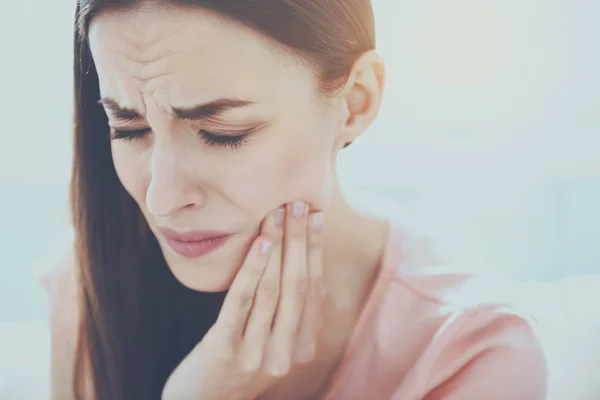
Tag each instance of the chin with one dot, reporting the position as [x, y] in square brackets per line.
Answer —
[205, 275]
[213, 272]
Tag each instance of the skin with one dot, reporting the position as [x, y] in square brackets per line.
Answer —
[156, 58]
[269, 320]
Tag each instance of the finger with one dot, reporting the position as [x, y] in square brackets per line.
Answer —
[293, 290]
[258, 328]
[306, 343]
[238, 302]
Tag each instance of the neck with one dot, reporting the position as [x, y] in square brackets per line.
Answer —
[353, 246]
[353, 239]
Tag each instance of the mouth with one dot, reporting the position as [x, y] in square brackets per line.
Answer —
[196, 243]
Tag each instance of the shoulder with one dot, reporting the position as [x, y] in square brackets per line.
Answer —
[466, 339]
[431, 329]
[489, 352]
[56, 274]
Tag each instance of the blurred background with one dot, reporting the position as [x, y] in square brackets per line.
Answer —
[489, 135]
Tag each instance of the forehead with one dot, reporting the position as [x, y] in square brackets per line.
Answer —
[188, 54]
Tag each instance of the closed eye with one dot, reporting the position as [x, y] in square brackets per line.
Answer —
[129, 134]
[210, 138]
[231, 141]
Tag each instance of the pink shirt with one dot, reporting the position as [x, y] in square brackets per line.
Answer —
[421, 335]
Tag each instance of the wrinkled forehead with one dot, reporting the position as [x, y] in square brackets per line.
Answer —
[145, 31]
[189, 51]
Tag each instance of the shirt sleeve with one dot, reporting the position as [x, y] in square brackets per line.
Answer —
[493, 355]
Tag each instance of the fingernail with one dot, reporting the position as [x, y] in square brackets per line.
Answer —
[282, 368]
[307, 353]
[316, 219]
[279, 217]
[252, 362]
[299, 208]
[265, 246]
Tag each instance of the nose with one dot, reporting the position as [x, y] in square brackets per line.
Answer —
[173, 183]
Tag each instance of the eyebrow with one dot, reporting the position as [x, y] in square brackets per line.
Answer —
[121, 113]
[195, 113]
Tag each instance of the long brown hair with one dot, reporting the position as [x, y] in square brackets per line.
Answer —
[137, 322]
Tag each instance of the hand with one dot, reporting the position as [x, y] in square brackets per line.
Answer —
[269, 319]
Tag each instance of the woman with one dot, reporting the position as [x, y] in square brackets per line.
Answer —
[215, 256]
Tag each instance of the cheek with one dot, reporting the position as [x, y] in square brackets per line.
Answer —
[297, 166]
[306, 171]
[130, 165]
[307, 175]
[284, 171]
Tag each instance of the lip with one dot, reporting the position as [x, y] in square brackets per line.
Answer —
[194, 244]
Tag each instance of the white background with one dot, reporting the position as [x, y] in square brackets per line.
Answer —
[489, 134]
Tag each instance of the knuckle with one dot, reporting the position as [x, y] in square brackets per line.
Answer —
[295, 238]
[315, 288]
[256, 270]
[314, 244]
[315, 239]
[277, 242]
[318, 288]
[274, 231]
[269, 290]
[301, 287]
[294, 258]
[296, 229]
[321, 290]
[244, 299]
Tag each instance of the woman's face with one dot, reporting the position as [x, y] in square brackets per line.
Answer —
[213, 127]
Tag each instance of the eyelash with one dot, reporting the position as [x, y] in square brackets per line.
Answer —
[211, 139]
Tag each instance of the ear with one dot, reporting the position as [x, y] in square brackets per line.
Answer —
[361, 96]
